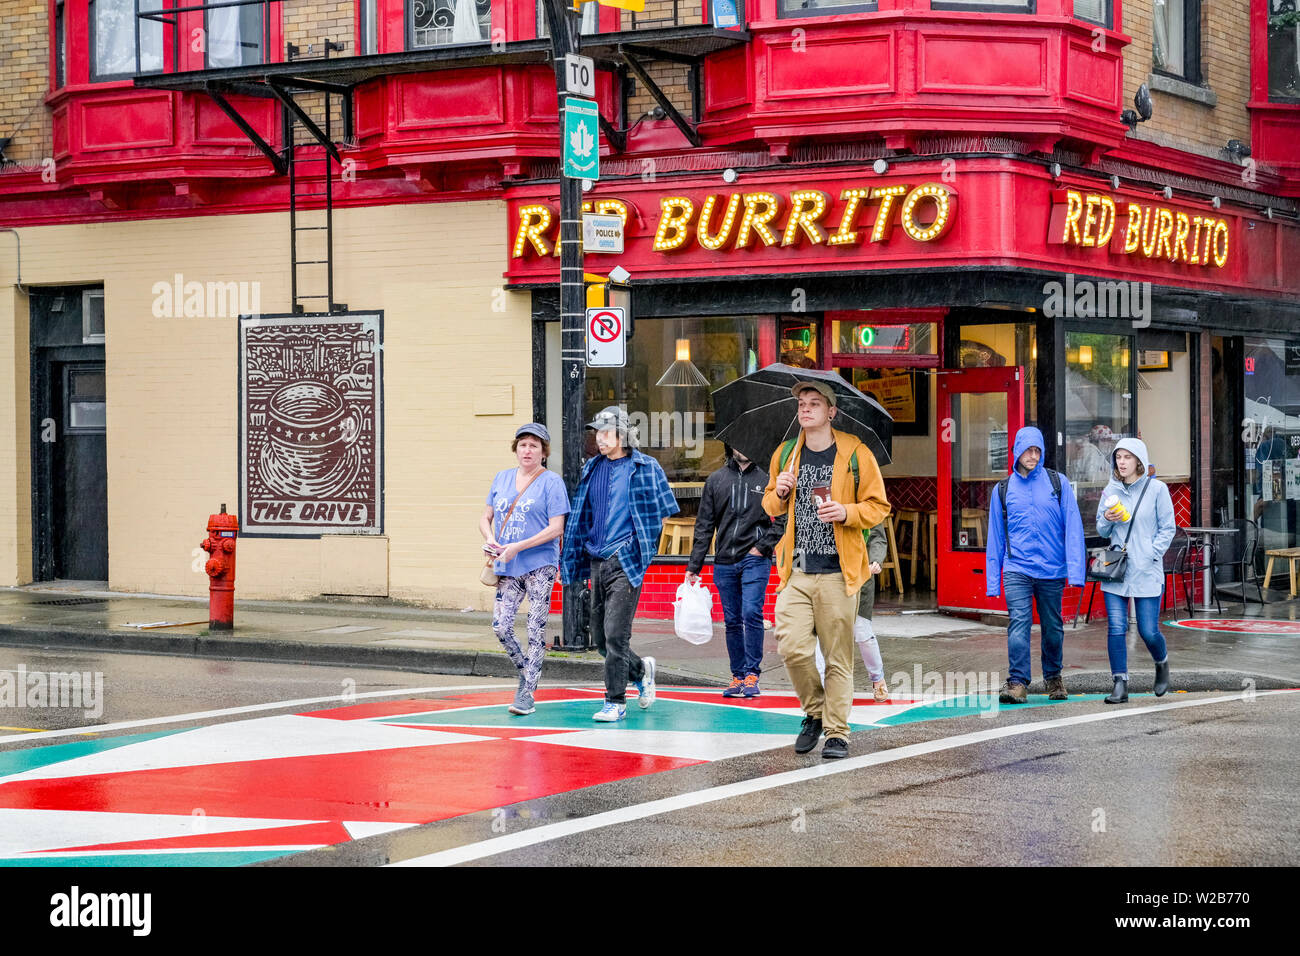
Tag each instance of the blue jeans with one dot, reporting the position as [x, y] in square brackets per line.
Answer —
[1021, 592]
[742, 587]
[1148, 620]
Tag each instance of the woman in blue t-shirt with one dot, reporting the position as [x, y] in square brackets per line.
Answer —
[522, 525]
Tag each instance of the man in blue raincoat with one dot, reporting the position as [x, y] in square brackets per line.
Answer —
[1035, 544]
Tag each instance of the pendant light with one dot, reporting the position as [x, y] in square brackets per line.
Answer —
[682, 373]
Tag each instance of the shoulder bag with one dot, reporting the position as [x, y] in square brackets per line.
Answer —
[488, 576]
[1110, 566]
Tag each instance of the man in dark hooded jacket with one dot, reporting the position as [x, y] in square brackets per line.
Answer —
[1030, 555]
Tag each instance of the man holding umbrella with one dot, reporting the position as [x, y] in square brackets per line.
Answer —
[828, 484]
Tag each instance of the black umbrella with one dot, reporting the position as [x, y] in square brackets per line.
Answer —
[755, 414]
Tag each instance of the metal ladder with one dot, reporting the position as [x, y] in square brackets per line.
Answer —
[310, 160]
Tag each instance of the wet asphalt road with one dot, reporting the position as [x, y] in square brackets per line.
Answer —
[1201, 785]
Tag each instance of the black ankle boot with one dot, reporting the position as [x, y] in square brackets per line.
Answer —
[1162, 678]
[1120, 694]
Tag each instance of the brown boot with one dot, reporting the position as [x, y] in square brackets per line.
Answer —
[1056, 688]
[1013, 693]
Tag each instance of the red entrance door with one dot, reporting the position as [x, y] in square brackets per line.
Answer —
[980, 410]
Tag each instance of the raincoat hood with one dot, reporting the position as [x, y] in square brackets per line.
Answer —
[1027, 438]
[1134, 446]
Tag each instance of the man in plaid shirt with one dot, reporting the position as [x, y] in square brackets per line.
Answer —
[613, 531]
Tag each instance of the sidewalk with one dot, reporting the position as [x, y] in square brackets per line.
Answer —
[923, 646]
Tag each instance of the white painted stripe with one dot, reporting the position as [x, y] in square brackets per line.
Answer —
[554, 831]
[247, 709]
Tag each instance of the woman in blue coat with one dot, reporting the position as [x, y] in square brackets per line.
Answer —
[1152, 525]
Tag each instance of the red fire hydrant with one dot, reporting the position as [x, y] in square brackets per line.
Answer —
[220, 543]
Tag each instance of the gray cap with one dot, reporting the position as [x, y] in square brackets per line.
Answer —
[614, 418]
[534, 428]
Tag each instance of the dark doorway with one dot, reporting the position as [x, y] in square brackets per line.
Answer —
[69, 452]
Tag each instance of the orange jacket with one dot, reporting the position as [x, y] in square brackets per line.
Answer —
[868, 510]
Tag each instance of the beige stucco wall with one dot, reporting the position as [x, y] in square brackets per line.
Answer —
[435, 271]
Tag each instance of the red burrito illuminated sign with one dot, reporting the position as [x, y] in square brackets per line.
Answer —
[1085, 219]
[724, 223]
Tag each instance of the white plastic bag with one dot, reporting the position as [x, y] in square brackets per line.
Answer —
[693, 613]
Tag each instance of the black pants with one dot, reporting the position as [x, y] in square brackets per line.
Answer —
[613, 602]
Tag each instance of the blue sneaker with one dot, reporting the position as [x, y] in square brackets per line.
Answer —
[734, 688]
[645, 687]
[610, 712]
[751, 688]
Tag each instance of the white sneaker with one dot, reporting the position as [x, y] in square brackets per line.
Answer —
[610, 712]
[645, 687]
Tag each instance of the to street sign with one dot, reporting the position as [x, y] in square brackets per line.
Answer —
[606, 338]
[602, 233]
[581, 139]
[579, 75]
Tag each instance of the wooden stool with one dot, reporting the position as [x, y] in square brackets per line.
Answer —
[677, 536]
[915, 522]
[932, 519]
[1291, 556]
[975, 518]
[891, 559]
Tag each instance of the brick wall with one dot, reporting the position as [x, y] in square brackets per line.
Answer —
[24, 78]
[1225, 69]
[672, 78]
[311, 21]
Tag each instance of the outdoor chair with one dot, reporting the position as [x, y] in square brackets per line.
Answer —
[1240, 551]
[1173, 562]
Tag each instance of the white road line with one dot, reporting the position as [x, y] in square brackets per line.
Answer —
[553, 831]
[247, 709]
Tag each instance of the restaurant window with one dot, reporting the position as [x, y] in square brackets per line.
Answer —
[822, 8]
[235, 35]
[889, 363]
[590, 18]
[1176, 38]
[673, 366]
[1271, 434]
[439, 22]
[1000, 344]
[123, 43]
[1284, 50]
[1099, 384]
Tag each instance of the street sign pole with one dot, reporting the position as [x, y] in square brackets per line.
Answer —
[564, 28]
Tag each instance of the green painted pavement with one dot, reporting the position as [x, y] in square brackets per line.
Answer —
[678, 715]
[17, 761]
[971, 705]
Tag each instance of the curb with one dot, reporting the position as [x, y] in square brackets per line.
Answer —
[434, 661]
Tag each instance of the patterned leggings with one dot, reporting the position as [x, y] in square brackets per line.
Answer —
[536, 584]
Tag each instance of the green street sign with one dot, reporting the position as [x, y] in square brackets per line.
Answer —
[581, 139]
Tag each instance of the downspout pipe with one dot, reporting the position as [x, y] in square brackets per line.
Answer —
[19, 247]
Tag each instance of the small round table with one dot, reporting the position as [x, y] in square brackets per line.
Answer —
[1207, 576]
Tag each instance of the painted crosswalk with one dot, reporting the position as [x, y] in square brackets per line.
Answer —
[262, 787]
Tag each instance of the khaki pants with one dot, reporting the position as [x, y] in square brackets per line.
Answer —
[817, 602]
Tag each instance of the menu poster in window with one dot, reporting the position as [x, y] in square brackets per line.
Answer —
[1292, 479]
[896, 394]
[1266, 468]
[998, 451]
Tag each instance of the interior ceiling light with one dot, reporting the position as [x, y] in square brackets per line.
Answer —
[682, 373]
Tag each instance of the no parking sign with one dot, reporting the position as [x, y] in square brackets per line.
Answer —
[606, 338]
